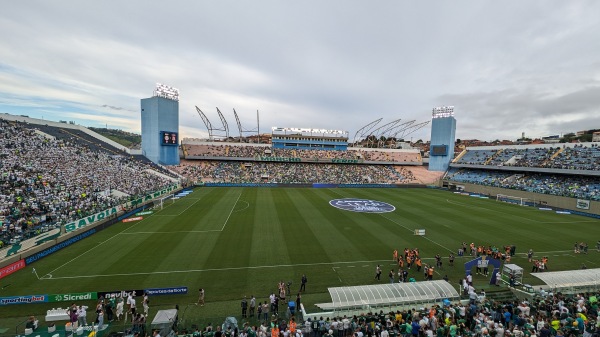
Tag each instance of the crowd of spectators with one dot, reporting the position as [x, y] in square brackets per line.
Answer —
[294, 173]
[582, 187]
[47, 181]
[578, 157]
[242, 151]
[546, 314]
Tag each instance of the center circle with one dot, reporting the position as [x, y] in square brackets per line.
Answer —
[362, 205]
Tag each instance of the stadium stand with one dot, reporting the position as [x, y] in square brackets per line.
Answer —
[248, 151]
[584, 157]
[583, 187]
[293, 173]
[51, 178]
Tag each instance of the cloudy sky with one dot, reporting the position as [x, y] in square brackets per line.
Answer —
[507, 66]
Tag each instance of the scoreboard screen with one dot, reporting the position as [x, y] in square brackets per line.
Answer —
[438, 150]
[169, 138]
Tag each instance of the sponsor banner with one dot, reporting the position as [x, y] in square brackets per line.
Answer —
[144, 213]
[362, 205]
[583, 204]
[41, 254]
[137, 218]
[345, 161]
[71, 226]
[281, 159]
[120, 293]
[167, 291]
[72, 297]
[11, 268]
[27, 299]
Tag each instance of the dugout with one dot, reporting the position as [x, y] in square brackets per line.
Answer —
[571, 281]
[387, 297]
[165, 322]
[512, 269]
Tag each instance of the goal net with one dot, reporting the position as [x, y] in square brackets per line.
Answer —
[515, 200]
[159, 203]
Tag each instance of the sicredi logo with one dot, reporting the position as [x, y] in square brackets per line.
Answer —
[362, 205]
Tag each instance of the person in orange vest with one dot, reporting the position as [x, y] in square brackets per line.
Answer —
[292, 326]
[430, 273]
[418, 263]
[408, 262]
[275, 331]
[400, 263]
[395, 255]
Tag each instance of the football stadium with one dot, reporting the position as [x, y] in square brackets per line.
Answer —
[303, 232]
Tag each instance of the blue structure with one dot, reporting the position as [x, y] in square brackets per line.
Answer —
[309, 139]
[443, 135]
[160, 126]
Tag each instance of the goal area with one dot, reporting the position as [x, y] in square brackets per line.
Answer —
[516, 200]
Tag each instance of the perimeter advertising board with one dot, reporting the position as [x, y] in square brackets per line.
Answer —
[11, 268]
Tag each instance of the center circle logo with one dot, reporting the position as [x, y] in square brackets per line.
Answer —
[362, 205]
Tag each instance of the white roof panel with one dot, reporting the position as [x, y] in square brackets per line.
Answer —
[570, 278]
[390, 294]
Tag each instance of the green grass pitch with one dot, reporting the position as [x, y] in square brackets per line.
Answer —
[235, 242]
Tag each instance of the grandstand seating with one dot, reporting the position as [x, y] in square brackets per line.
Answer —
[48, 181]
[244, 151]
[578, 157]
[257, 172]
[584, 187]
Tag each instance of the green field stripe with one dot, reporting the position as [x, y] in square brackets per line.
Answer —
[356, 235]
[299, 228]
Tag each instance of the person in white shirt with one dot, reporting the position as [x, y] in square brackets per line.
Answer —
[145, 303]
[131, 303]
[82, 315]
[385, 333]
[120, 309]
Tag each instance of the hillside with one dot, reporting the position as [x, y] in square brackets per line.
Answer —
[128, 139]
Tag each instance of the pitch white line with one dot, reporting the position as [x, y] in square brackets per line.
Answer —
[243, 209]
[175, 232]
[518, 216]
[89, 250]
[424, 237]
[217, 269]
[231, 212]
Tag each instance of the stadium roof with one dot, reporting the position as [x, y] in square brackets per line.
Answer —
[570, 278]
[391, 294]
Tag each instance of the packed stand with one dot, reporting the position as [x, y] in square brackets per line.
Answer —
[293, 173]
[582, 187]
[240, 151]
[579, 157]
[46, 181]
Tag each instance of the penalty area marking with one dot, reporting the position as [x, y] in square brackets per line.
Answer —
[518, 216]
[243, 209]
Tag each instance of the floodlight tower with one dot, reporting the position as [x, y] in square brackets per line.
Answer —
[160, 125]
[443, 135]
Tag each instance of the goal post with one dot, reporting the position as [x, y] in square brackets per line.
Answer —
[515, 200]
[159, 203]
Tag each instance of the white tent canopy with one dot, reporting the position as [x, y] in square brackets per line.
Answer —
[571, 278]
[391, 294]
